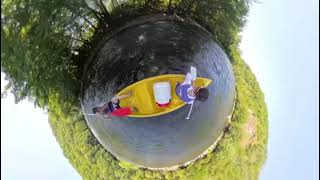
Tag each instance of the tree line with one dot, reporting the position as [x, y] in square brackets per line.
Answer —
[44, 45]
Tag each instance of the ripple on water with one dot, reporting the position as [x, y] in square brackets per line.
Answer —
[152, 49]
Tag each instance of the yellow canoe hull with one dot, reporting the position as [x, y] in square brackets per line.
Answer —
[143, 100]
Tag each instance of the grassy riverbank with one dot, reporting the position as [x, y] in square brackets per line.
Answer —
[229, 160]
[37, 60]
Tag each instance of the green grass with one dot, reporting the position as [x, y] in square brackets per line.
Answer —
[56, 82]
[229, 160]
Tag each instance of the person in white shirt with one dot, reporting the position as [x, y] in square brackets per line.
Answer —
[188, 92]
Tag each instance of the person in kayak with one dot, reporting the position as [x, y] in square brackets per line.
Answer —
[113, 107]
[188, 92]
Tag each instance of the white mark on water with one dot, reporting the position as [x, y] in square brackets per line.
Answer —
[141, 38]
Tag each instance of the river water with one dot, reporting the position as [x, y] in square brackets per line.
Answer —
[150, 49]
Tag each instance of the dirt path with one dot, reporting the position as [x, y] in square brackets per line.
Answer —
[249, 130]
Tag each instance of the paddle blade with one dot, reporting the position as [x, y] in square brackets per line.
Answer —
[193, 72]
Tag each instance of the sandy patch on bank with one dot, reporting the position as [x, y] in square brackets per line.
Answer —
[249, 130]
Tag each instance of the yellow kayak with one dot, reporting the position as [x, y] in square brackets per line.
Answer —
[143, 100]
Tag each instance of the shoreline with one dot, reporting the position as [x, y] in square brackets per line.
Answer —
[136, 22]
[203, 154]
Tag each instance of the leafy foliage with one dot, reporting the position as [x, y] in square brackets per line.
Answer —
[39, 45]
[37, 41]
[224, 19]
[229, 160]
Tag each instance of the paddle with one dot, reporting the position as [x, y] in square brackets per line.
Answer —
[193, 72]
[95, 115]
[89, 114]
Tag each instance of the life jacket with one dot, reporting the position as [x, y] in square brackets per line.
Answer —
[116, 110]
[182, 92]
[122, 112]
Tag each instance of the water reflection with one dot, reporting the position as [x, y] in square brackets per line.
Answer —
[150, 49]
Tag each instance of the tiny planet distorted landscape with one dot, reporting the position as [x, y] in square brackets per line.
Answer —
[92, 50]
[168, 47]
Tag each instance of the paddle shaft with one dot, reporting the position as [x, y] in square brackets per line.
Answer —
[95, 115]
[190, 111]
[193, 72]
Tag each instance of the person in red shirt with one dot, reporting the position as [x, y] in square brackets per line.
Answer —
[113, 107]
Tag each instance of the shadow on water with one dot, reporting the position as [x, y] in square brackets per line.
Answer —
[151, 49]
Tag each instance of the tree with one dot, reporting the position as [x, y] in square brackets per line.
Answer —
[37, 40]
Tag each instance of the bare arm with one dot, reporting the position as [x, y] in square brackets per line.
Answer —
[123, 96]
[105, 105]
[107, 115]
[187, 79]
